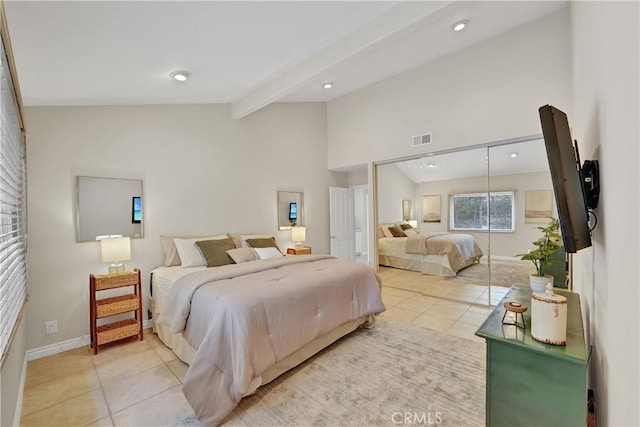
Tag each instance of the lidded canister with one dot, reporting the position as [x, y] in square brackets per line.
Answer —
[549, 317]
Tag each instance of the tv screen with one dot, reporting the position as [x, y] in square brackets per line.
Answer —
[568, 183]
[136, 210]
[293, 211]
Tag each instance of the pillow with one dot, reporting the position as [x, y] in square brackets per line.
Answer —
[396, 230]
[266, 253]
[236, 239]
[385, 230]
[410, 232]
[406, 226]
[215, 251]
[380, 233]
[171, 256]
[263, 243]
[245, 237]
[240, 255]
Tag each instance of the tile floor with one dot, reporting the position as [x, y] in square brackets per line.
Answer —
[139, 383]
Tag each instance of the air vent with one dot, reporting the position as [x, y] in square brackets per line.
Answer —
[421, 140]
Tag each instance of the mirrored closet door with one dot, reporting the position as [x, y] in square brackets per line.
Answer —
[473, 211]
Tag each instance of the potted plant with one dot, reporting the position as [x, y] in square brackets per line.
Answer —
[542, 255]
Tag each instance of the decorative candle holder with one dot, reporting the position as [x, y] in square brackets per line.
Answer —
[517, 308]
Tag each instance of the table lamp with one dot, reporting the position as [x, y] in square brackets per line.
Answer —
[298, 235]
[116, 250]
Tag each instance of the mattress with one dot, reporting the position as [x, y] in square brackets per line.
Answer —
[163, 279]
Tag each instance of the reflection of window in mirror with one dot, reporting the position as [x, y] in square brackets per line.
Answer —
[290, 209]
[108, 206]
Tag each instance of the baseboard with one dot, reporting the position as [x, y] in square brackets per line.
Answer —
[59, 347]
[17, 414]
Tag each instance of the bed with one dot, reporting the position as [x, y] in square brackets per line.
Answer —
[239, 326]
[437, 254]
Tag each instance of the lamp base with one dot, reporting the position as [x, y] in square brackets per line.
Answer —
[116, 267]
[298, 244]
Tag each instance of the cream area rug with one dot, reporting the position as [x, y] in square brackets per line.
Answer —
[395, 373]
[503, 273]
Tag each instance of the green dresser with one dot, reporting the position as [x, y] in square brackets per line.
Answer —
[530, 383]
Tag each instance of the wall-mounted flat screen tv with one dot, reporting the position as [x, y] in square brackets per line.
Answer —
[293, 211]
[136, 210]
[566, 175]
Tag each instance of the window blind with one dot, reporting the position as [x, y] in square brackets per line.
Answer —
[13, 272]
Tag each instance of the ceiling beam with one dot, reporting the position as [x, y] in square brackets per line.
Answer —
[393, 23]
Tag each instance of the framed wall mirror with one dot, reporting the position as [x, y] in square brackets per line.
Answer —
[108, 206]
[290, 209]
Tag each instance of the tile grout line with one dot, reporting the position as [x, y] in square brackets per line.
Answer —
[111, 414]
[104, 395]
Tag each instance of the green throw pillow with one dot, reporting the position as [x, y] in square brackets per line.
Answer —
[215, 251]
[396, 231]
[269, 242]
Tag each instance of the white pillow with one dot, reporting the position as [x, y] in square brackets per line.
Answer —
[189, 253]
[410, 232]
[266, 253]
[171, 256]
[240, 255]
[244, 237]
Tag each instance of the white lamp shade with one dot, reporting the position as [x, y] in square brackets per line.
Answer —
[118, 249]
[298, 234]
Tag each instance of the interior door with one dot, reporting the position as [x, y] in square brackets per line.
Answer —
[342, 222]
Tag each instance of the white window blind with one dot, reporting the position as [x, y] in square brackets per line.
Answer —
[13, 272]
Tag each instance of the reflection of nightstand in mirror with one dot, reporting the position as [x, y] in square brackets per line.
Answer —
[299, 250]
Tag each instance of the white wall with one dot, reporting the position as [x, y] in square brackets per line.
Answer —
[605, 123]
[487, 92]
[393, 187]
[503, 244]
[204, 173]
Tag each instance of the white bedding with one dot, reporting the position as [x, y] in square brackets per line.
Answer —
[393, 253]
[243, 319]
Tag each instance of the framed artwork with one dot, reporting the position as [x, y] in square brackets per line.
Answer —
[538, 206]
[431, 208]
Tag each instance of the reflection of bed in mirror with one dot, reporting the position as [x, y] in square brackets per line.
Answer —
[437, 254]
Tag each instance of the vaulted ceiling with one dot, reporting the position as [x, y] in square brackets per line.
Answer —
[248, 54]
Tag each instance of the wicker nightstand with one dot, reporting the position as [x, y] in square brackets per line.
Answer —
[299, 250]
[106, 307]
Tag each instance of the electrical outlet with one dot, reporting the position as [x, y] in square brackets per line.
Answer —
[51, 327]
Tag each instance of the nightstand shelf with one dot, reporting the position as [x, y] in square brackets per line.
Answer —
[106, 307]
[299, 250]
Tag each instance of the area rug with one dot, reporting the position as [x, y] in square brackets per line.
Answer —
[395, 373]
[503, 273]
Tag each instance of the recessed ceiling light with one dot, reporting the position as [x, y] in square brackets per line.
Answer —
[327, 85]
[460, 25]
[431, 165]
[180, 76]
[513, 155]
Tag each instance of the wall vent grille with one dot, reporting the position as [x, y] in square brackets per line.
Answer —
[419, 140]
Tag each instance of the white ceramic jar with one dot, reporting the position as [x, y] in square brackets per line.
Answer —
[549, 317]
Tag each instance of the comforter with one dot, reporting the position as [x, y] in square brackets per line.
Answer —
[244, 318]
[459, 248]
